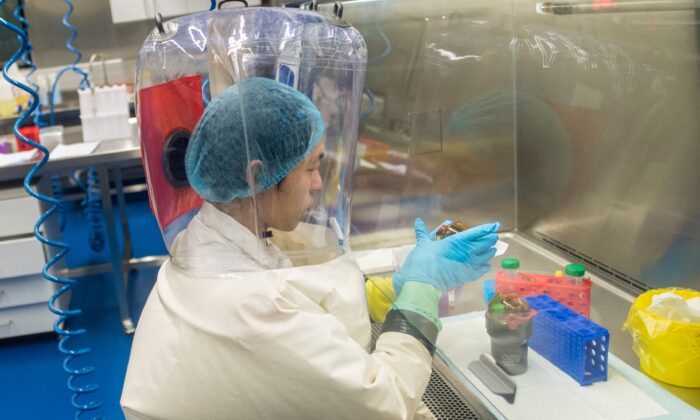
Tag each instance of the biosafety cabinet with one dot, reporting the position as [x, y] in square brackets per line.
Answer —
[575, 125]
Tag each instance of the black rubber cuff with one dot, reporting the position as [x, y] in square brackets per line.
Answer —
[413, 324]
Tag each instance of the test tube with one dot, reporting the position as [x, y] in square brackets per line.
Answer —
[575, 273]
[510, 267]
[443, 232]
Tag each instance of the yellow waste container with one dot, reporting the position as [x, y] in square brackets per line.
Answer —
[668, 350]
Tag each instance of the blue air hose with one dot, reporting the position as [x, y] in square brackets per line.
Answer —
[205, 98]
[205, 85]
[26, 58]
[384, 54]
[84, 82]
[66, 284]
[92, 208]
[57, 189]
[387, 45]
[92, 203]
[372, 104]
[93, 211]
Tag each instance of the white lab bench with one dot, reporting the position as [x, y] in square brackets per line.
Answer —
[19, 212]
[546, 392]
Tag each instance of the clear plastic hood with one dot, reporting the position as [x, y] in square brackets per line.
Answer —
[254, 112]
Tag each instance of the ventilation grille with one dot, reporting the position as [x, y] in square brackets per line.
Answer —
[439, 397]
[622, 279]
[444, 403]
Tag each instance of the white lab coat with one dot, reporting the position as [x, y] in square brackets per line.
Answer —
[286, 343]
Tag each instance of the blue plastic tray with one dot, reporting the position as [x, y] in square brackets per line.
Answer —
[573, 343]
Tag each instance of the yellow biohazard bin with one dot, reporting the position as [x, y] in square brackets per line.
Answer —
[668, 350]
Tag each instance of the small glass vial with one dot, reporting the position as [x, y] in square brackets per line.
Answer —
[575, 273]
[510, 267]
[443, 232]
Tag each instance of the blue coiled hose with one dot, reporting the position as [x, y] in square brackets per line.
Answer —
[66, 283]
[205, 86]
[84, 82]
[27, 60]
[93, 211]
[92, 203]
[92, 208]
[384, 54]
[57, 189]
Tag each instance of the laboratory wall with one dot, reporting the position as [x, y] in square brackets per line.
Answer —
[437, 136]
[437, 133]
[114, 28]
[576, 129]
[607, 137]
[96, 32]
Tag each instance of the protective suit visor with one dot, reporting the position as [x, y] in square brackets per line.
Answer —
[274, 149]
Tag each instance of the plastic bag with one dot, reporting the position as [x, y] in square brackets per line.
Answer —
[668, 350]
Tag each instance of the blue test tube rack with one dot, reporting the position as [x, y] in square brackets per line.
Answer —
[573, 343]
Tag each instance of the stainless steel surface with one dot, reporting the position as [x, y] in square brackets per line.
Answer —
[441, 73]
[112, 153]
[116, 255]
[606, 129]
[97, 33]
[568, 8]
[133, 264]
[609, 304]
[607, 139]
[121, 204]
[605, 134]
[131, 189]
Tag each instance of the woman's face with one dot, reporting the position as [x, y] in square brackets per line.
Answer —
[285, 204]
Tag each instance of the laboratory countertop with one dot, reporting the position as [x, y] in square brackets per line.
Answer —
[609, 307]
[113, 153]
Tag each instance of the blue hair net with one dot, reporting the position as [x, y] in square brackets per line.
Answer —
[279, 127]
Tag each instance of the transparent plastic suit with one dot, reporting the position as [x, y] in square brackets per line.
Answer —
[261, 311]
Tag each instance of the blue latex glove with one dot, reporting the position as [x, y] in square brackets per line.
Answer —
[450, 262]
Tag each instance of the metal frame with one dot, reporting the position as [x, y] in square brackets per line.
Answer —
[569, 8]
[120, 271]
[110, 159]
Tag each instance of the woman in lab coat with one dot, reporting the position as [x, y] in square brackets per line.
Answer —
[236, 327]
